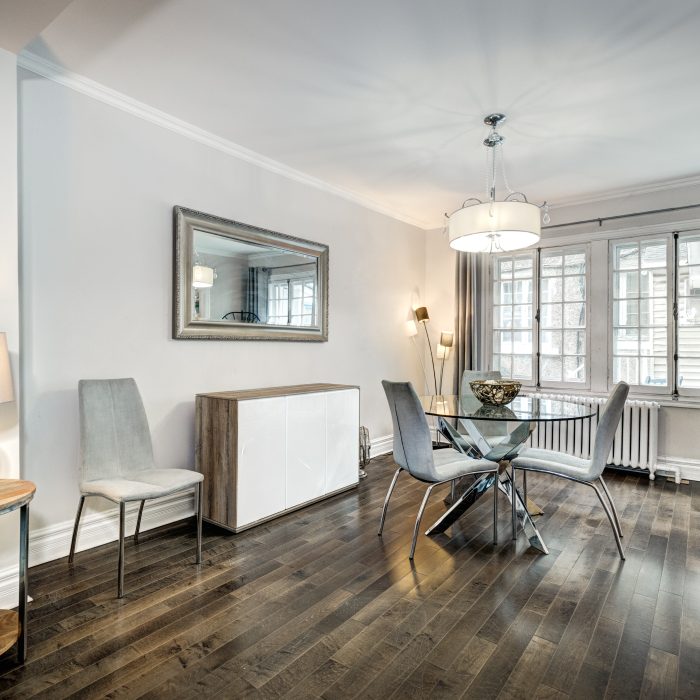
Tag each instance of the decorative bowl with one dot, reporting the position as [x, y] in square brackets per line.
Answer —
[495, 392]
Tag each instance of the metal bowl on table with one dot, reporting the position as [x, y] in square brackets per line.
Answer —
[495, 392]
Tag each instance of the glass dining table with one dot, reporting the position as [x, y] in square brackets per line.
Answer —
[497, 433]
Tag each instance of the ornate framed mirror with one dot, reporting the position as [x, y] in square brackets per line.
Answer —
[233, 281]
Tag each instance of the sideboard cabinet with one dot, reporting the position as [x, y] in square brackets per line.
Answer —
[264, 452]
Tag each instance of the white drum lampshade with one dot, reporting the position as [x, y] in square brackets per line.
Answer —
[202, 276]
[494, 226]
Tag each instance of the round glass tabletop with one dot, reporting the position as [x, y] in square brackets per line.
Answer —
[521, 408]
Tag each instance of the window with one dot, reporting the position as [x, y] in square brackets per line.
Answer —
[513, 316]
[640, 338]
[554, 310]
[291, 299]
[688, 284]
[563, 316]
[556, 317]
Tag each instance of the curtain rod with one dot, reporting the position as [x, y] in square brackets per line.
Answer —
[601, 219]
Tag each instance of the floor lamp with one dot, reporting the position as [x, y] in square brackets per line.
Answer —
[412, 332]
[423, 318]
[443, 352]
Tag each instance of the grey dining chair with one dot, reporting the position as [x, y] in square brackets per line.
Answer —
[584, 471]
[117, 458]
[413, 453]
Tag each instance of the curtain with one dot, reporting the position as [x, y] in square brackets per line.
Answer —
[256, 292]
[467, 316]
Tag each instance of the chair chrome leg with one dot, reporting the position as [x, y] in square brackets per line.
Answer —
[138, 522]
[495, 509]
[612, 505]
[418, 519]
[525, 487]
[453, 491]
[386, 500]
[198, 492]
[610, 518]
[74, 539]
[120, 564]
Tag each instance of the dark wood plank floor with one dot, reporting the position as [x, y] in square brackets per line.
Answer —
[315, 605]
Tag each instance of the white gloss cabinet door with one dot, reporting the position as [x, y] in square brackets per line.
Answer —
[342, 441]
[306, 448]
[261, 459]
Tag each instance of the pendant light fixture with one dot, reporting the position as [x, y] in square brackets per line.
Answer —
[202, 276]
[495, 226]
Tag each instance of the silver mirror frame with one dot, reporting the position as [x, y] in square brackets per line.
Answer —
[185, 222]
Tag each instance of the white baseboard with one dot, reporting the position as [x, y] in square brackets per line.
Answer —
[382, 445]
[686, 467]
[53, 542]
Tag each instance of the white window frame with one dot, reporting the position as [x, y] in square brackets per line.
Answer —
[290, 277]
[535, 297]
[563, 250]
[674, 326]
[536, 264]
[653, 389]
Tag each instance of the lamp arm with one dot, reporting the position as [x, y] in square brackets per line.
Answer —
[422, 364]
[442, 371]
[432, 359]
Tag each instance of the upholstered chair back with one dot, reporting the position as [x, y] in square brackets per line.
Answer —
[114, 434]
[607, 426]
[413, 446]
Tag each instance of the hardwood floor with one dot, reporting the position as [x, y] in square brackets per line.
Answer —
[315, 605]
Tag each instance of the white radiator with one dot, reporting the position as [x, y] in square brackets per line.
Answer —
[635, 443]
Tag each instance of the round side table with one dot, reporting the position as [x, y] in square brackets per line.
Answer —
[13, 625]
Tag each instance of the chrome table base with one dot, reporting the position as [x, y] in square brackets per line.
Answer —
[502, 453]
[478, 489]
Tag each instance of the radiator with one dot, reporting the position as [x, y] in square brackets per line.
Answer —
[635, 444]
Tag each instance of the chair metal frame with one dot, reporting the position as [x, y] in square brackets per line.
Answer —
[424, 503]
[610, 510]
[122, 528]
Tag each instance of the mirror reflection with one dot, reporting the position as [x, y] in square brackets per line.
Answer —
[242, 282]
[233, 281]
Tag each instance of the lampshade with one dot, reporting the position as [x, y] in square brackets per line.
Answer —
[447, 338]
[6, 392]
[422, 314]
[411, 329]
[202, 276]
[494, 226]
[443, 352]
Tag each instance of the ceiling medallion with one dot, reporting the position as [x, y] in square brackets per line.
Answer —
[494, 226]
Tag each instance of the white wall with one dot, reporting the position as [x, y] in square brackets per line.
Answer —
[440, 267]
[9, 295]
[98, 186]
[9, 284]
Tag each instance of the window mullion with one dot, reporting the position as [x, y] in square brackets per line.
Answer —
[536, 281]
[674, 316]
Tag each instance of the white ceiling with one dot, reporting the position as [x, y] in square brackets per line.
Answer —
[385, 97]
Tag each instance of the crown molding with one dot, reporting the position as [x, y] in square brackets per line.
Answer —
[102, 93]
[623, 192]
